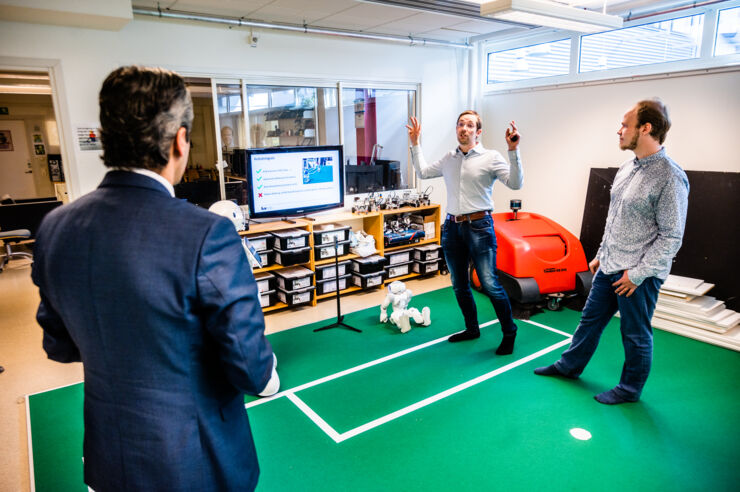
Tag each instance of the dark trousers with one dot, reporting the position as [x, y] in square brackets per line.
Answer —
[475, 240]
[635, 312]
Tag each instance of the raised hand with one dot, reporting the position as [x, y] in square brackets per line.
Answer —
[414, 131]
[512, 137]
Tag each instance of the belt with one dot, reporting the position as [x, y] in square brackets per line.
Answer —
[468, 217]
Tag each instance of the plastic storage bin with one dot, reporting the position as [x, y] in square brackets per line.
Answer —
[400, 256]
[290, 239]
[292, 256]
[427, 252]
[261, 242]
[295, 297]
[326, 286]
[425, 267]
[325, 233]
[267, 298]
[324, 272]
[370, 264]
[324, 251]
[293, 278]
[398, 270]
[368, 280]
[267, 258]
[265, 281]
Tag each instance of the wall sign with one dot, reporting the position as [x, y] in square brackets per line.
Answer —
[6, 140]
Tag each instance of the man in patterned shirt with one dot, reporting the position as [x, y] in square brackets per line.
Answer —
[643, 232]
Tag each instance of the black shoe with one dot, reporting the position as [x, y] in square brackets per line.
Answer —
[507, 344]
[464, 335]
[551, 370]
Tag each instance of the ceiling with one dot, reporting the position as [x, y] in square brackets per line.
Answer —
[444, 20]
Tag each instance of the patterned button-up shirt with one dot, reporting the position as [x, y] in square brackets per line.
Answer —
[647, 215]
[469, 177]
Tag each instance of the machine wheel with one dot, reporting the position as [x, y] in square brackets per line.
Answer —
[553, 303]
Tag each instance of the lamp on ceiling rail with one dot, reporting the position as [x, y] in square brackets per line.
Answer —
[549, 14]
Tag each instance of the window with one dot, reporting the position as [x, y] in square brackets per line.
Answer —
[728, 39]
[665, 41]
[288, 116]
[375, 139]
[529, 62]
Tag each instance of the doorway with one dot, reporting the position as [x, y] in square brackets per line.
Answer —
[30, 153]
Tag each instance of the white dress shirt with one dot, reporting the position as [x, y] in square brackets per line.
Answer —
[469, 177]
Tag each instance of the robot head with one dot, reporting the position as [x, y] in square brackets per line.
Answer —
[230, 210]
[396, 287]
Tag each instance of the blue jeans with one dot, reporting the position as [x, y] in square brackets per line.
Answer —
[635, 312]
[475, 240]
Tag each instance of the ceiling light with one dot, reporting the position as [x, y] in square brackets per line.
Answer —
[549, 14]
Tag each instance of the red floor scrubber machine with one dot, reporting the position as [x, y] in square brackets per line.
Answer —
[537, 259]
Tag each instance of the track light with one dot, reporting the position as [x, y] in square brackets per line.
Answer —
[549, 14]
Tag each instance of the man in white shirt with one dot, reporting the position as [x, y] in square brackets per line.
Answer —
[469, 172]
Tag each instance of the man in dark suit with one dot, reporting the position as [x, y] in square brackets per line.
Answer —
[156, 298]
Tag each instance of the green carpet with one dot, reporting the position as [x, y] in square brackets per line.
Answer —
[509, 432]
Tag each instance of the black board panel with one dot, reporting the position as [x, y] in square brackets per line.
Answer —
[711, 243]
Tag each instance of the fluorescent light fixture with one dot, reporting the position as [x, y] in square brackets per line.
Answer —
[550, 14]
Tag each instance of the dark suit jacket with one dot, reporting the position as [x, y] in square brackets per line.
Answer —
[156, 298]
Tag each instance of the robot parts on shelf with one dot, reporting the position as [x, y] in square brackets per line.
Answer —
[399, 297]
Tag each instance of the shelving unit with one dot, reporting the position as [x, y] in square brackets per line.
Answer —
[370, 222]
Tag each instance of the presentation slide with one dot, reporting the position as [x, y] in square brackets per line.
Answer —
[295, 180]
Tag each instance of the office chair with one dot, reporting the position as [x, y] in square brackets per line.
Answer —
[9, 238]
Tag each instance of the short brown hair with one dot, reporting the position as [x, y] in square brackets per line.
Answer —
[653, 111]
[478, 124]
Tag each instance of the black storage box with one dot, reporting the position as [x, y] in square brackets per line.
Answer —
[324, 251]
[266, 257]
[427, 252]
[267, 298]
[261, 242]
[425, 267]
[292, 256]
[291, 239]
[398, 270]
[326, 286]
[324, 272]
[325, 233]
[294, 278]
[265, 281]
[400, 256]
[295, 297]
[369, 264]
[368, 280]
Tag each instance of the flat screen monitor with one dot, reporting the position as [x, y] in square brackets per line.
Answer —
[285, 181]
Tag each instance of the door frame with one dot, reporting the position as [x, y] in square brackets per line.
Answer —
[61, 110]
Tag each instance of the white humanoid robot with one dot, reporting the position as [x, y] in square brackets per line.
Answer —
[230, 210]
[399, 296]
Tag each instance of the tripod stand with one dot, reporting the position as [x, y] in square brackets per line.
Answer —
[338, 323]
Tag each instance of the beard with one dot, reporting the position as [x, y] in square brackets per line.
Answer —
[632, 145]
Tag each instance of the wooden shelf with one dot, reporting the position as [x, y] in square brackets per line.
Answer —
[370, 222]
[408, 276]
[279, 267]
[327, 261]
[274, 307]
[412, 245]
[342, 292]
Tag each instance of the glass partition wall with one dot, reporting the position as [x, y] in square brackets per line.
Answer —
[232, 116]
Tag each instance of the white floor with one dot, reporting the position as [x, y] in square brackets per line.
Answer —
[27, 370]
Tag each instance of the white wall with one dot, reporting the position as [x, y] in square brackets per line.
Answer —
[567, 131]
[86, 56]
